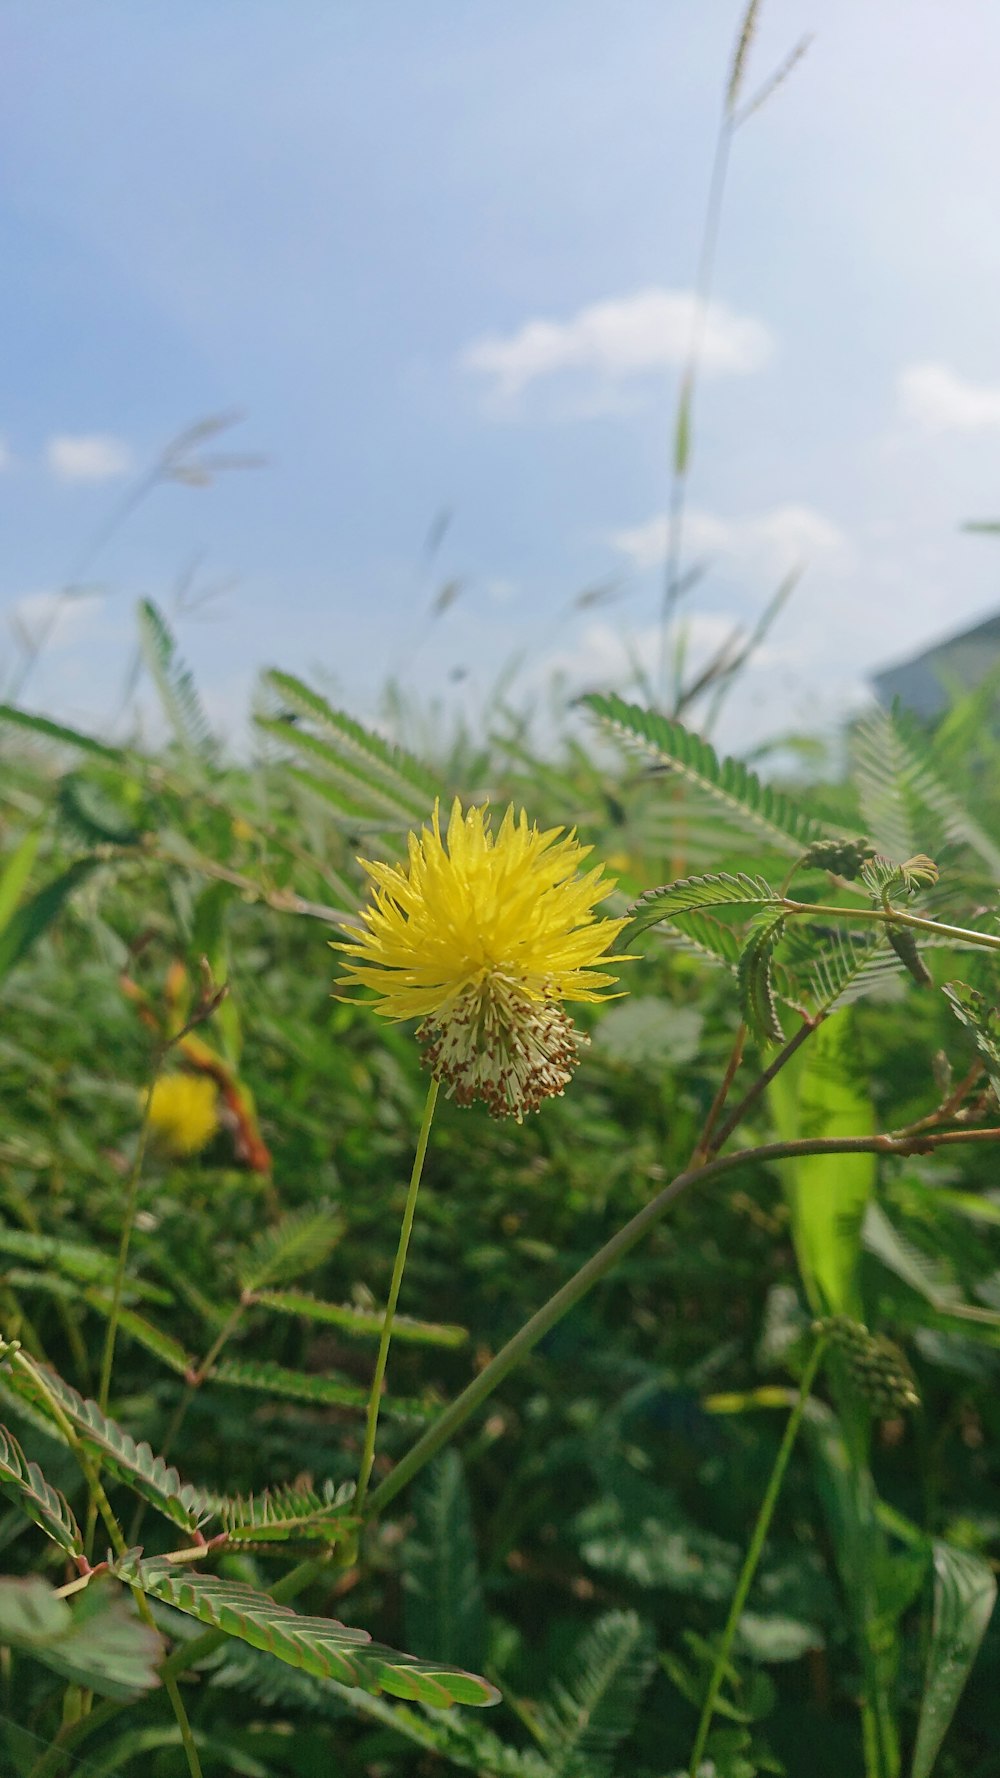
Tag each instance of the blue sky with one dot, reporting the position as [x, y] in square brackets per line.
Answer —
[439, 255]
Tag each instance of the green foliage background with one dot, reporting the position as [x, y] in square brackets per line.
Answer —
[581, 1542]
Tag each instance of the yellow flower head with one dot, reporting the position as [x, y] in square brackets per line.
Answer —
[183, 1112]
[483, 938]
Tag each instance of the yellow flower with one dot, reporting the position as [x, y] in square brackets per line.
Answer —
[483, 939]
[183, 1112]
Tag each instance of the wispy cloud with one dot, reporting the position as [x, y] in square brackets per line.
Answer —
[767, 544]
[87, 457]
[5, 456]
[612, 344]
[61, 618]
[935, 397]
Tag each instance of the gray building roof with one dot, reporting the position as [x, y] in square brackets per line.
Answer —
[925, 683]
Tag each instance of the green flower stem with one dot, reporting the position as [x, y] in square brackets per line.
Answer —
[752, 1558]
[375, 1398]
[894, 917]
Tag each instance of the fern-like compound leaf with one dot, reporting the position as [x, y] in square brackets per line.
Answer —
[173, 680]
[721, 890]
[728, 781]
[134, 1464]
[365, 779]
[757, 997]
[320, 1646]
[28, 1488]
[364, 1323]
[298, 1243]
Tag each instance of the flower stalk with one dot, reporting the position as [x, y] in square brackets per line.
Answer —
[406, 1229]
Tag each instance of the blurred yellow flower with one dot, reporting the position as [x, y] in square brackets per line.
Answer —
[183, 1112]
[483, 938]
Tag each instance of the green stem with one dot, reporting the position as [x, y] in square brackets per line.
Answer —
[813, 909]
[131, 1203]
[297, 1579]
[409, 1210]
[602, 1262]
[753, 1556]
[111, 1334]
[187, 1396]
[117, 1537]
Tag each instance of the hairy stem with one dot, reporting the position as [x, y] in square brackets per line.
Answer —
[894, 917]
[406, 1229]
[752, 1558]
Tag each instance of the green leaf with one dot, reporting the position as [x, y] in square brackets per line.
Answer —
[365, 1323]
[93, 1638]
[595, 1704]
[720, 890]
[973, 1010]
[86, 1264]
[33, 917]
[965, 1591]
[27, 1486]
[728, 781]
[444, 1616]
[930, 1279]
[320, 1646]
[16, 871]
[162, 1345]
[899, 776]
[757, 1001]
[148, 1475]
[381, 785]
[703, 936]
[848, 969]
[275, 1379]
[815, 1095]
[289, 1514]
[57, 731]
[298, 1243]
[878, 1585]
[173, 680]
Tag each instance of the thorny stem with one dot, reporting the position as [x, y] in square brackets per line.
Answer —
[753, 1556]
[406, 1229]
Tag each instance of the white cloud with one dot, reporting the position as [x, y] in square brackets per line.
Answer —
[57, 619]
[87, 457]
[5, 456]
[618, 340]
[936, 398]
[768, 545]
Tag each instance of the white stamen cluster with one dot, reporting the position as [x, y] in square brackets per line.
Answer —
[498, 1044]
